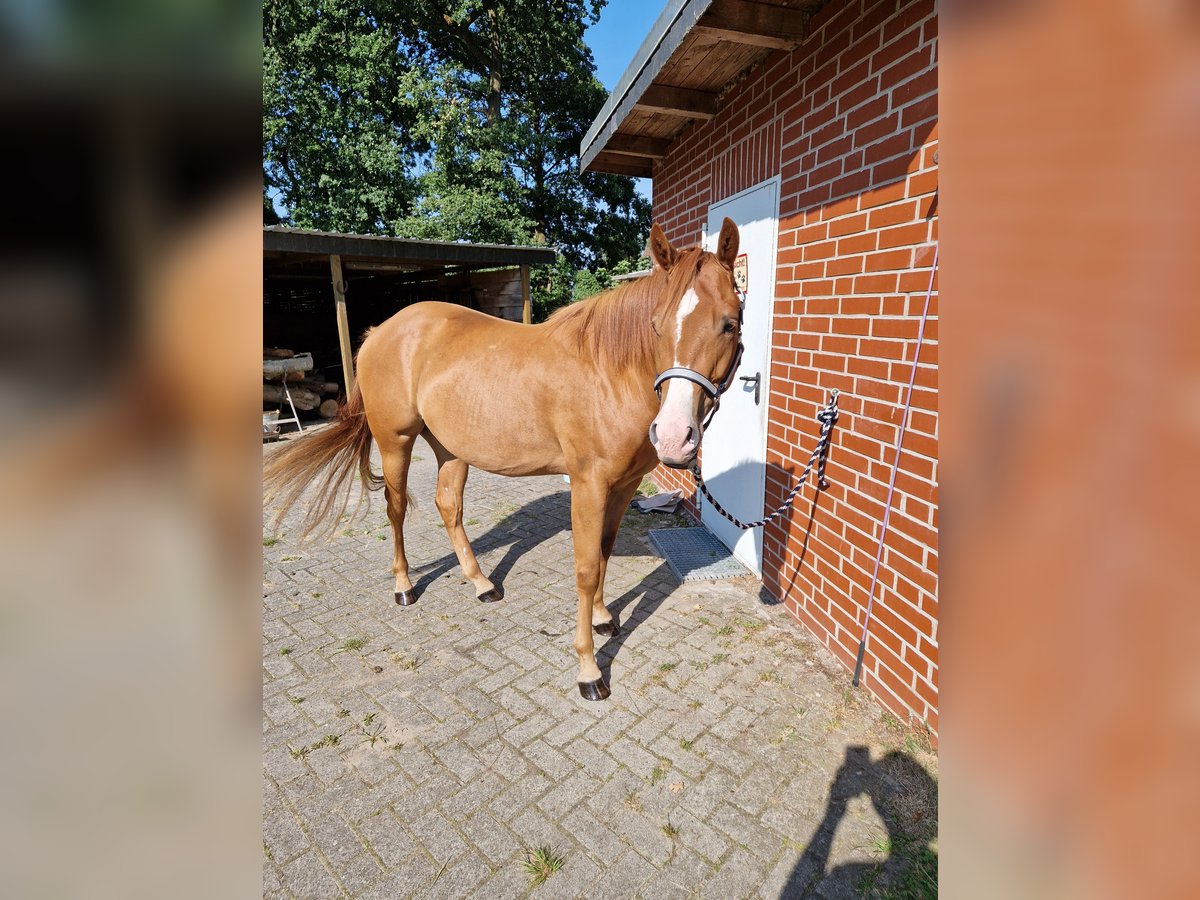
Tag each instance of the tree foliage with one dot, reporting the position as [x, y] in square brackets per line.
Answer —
[338, 130]
[446, 119]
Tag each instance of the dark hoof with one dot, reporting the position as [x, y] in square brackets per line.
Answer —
[406, 598]
[489, 596]
[607, 629]
[594, 690]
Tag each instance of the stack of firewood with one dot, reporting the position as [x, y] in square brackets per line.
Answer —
[307, 393]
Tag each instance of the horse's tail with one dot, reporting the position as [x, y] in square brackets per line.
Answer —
[331, 454]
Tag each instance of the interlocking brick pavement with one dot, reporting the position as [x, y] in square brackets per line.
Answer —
[732, 759]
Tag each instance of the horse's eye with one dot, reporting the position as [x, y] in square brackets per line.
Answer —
[729, 326]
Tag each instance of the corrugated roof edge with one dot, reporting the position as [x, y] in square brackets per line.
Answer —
[283, 239]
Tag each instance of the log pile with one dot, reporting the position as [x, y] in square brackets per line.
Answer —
[307, 393]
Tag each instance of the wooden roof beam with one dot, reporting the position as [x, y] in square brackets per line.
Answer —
[757, 24]
[677, 101]
[619, 164]
[637, 145]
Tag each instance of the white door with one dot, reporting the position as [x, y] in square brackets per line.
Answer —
[735, 445]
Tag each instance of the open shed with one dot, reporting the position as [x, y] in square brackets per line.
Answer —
[813, 125]
[322, 290]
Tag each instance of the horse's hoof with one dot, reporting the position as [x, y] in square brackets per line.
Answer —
[406, 598]
[489, 596]
[607, 629]
[594, 690]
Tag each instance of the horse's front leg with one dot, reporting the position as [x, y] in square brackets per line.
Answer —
[603, 621]
[589, 499]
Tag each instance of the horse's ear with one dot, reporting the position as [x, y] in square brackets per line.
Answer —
[727, 244]
[661, 251]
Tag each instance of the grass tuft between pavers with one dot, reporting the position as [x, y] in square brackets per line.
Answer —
[539, 864]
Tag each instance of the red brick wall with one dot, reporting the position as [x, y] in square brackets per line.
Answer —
[849, 120]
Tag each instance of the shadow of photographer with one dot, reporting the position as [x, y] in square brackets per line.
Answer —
[905, 797]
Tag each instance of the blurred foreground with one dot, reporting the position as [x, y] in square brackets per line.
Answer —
[129, 332]
[1071, 387]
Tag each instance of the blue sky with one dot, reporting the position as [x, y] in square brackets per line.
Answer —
[623, 26]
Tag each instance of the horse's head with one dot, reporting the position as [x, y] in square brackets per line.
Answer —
[697, 321]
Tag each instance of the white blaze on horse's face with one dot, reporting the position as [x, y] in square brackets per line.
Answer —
[687, 305]
[676, 430]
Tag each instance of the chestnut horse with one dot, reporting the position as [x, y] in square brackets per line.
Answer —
[577, 395]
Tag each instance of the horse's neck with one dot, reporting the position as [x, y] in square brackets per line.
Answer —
[630, 387]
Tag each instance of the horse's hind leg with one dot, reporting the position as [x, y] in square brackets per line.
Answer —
[452, 478]
[397, 455]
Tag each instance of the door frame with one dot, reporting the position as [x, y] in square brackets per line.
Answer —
[777, 182]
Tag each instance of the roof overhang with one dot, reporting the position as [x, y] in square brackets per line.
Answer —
[694, 51]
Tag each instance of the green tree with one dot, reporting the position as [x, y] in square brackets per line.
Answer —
[454, 120]
[522, 85]
[338, 135]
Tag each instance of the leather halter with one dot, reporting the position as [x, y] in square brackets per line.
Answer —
[714, 391]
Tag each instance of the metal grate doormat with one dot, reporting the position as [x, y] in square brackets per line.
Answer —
[695, 555]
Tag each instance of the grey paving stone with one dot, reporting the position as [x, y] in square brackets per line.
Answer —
[509, 881]
[477, 792]
[283, 835]
[492, 837]
[307, 879]
[564, 732]
[779, 882]
[533, 829]
[336, 840]
[623, 878]
[738, 877]
[647, 837]
[568, 794]
[460, 879]
[575, 879]
[635, 757]
[386, 838]
[549, 760]
[594, 761]
[745, 831]
[611, 800]
[271, 881]
[695, 834]
[708, 794]
[597, 839]
[403, 881]
[438, 838]
[679, 877]
[358, 873]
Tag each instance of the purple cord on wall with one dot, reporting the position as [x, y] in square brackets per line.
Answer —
[887, 508]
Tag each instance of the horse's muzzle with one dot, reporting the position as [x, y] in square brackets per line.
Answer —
[676, 448]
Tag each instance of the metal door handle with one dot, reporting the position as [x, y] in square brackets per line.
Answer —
[757, 379]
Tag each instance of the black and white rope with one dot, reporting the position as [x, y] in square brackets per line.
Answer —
[827, 416]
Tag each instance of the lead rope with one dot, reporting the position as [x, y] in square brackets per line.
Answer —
[887, 507]
[827, 416]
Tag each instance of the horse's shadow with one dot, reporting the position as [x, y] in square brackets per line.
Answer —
[535, 523]
[521, 531]
[645, 597]
[647, 603]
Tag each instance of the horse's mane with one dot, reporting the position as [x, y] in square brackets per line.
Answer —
[615, 325]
